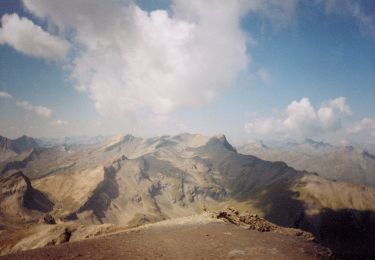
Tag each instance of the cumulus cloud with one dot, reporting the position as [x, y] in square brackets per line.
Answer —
[139, 64]
[303, 119]
[365, 125]
[4, 94]
[133, 60]
[26, 37]
[330, 113]
[38, 110]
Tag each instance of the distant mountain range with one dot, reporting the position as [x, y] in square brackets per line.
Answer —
[13, 148]
[19, 145]
[130, 181]
[71, 140]
[343, 163]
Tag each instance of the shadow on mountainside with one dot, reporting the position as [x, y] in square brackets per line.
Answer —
[349, 233]
[271, 187]
[19, 164]
[102, 196]
[36, 200]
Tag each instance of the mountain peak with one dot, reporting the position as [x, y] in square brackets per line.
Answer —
[128, 137]
[191, 140]
[24, 143]
[223, 140]
[19, 145]
[220, 136]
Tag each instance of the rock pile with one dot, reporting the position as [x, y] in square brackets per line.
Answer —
[249, 221]
[64, 237]
[48, 219]
[254, 222]
[257, 223]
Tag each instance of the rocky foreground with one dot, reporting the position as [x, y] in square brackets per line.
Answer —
[223, 235]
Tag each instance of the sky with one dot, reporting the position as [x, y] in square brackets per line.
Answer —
[250, 69]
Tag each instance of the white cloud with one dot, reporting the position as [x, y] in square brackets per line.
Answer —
[151, 62]
[4, 94]
[365, 125]
[328, 113]
[138, 64]
[303, 119]
[38, 110]
[340, 104]
[365, 19]
[26, 37]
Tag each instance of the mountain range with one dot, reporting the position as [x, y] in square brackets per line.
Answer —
[129, 181]
[342, 163]
[10, 148]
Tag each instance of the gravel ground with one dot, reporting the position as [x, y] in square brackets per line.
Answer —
[184, 241]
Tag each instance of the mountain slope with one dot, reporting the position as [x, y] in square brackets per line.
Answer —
[15, 150]
[131, 181]
[345, 163]
[19, 201]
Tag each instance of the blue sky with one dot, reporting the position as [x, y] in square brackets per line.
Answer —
[267, 70]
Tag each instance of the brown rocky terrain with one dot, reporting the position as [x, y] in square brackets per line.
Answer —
[196, 237]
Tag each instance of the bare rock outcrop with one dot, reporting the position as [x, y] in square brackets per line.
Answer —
[49, 219]
[254, 222]
[19, 200]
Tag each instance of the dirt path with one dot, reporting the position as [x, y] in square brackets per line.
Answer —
[192, 241]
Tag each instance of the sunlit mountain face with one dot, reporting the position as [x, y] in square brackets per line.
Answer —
[249, 118]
